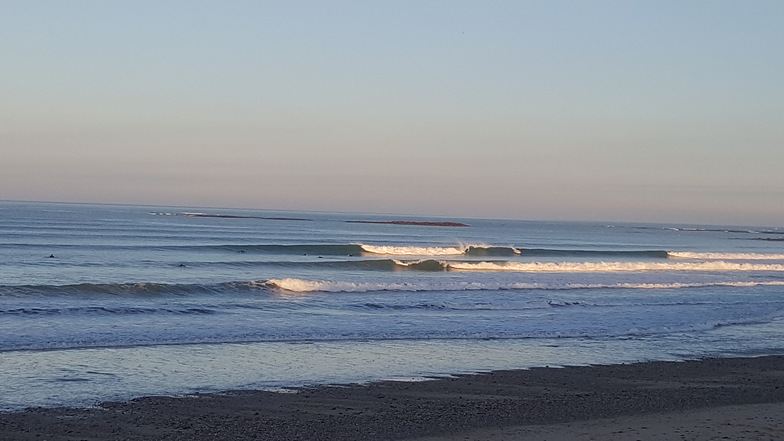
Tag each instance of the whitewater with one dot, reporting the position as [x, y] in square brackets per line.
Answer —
[108, 302]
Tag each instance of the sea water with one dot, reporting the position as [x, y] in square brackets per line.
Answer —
[108, 302]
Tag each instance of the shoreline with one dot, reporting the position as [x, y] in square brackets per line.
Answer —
[722, 394]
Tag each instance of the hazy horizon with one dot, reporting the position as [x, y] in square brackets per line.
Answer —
[226, 210]
[598, 111]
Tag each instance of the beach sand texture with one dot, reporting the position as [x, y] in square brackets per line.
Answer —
[723, 398]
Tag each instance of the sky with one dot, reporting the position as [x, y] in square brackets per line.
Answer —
[660, 111]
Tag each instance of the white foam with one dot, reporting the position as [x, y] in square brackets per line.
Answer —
[414, 251]
[299, 285]
[409, 263]
[725, 256]
[302, 286]
[608, 267]
[673, 285]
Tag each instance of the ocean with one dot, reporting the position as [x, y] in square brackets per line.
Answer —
[109, 302]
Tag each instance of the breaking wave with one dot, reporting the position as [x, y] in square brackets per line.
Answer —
[565, 267]
[304, 286]
[474, 250]
[469, 250]
[591, 267]
[477, 250]
[725, 256]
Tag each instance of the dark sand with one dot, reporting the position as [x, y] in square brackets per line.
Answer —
[737, 398]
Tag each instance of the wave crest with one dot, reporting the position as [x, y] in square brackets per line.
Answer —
[724, 256]
[413, 251]
[299, 285]
[470, 250]
[305, 286]
[591, 267]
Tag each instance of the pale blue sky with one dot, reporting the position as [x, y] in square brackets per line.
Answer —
[594, 110]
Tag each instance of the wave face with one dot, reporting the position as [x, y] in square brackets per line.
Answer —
[298, 249]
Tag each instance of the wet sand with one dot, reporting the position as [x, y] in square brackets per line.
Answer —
[735, 398]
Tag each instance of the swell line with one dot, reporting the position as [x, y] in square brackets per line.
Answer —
[142, 289]
[369, 250]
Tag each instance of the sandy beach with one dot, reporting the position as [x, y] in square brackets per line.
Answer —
[735, 398]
